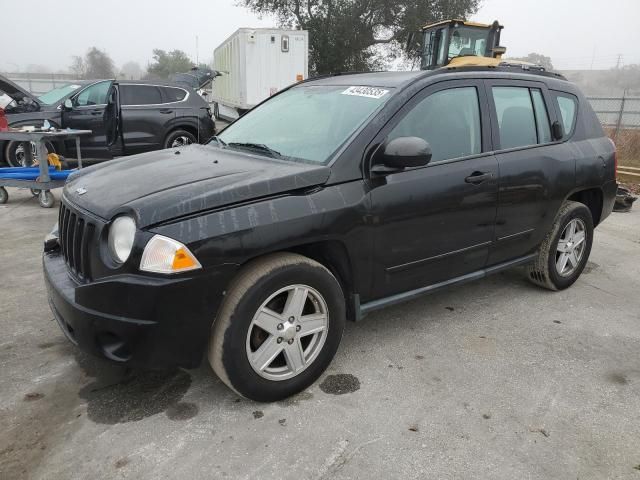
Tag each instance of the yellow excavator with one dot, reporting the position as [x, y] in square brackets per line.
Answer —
[456, 43]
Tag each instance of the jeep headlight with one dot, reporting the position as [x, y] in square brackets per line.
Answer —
[121, 235]
[166, 255]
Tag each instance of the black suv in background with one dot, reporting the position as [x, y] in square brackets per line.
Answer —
[369, 190]
[149, 116]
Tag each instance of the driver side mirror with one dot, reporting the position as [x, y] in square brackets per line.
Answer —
[68, 104]
[402, 152]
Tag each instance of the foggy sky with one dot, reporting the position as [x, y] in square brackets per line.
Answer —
[576, 34]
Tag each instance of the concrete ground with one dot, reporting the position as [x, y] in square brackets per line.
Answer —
[495, 379]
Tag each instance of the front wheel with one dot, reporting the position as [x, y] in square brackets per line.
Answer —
[565, 250]
[179, 138]
[279, 327]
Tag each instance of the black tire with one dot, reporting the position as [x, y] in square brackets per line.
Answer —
[254, 284]
[179, 138]
[544, 271]
[14, 157]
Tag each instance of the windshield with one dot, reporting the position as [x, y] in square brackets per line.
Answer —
[468, 41]
[57, 94]
[305, 123]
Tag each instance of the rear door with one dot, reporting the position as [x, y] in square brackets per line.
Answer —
[435, 223]
[87, 113]
[144, 117]
[536, 172]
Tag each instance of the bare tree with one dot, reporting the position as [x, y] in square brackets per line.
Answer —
[131, 71]
[95, 64]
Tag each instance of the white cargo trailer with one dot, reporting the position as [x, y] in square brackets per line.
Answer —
[256, 63]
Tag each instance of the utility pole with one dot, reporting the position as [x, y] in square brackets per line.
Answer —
[197, 56]
[619, 62]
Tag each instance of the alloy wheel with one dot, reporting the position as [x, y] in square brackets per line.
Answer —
[181, 141]
[570, 247]
[287, 332]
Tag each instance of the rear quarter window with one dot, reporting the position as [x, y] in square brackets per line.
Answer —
[173, 94]
[568, 108]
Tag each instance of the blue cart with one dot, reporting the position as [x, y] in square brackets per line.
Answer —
[40, 179]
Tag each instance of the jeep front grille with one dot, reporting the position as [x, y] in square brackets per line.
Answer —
[76, 232]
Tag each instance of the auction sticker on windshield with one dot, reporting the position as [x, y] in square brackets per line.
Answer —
[370, 92]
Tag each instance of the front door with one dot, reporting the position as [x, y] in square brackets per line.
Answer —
[436, 222]
[86, 113]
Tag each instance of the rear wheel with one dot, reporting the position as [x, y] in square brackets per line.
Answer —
[179, 138]
[16, 154]
[279, 327]
[565, 250]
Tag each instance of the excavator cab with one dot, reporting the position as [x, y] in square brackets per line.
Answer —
[458, 43]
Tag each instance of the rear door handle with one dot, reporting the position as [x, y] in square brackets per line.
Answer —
[97, 112]
[166, 110]
[478, 177]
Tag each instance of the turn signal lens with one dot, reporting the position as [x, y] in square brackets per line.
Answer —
[166, 255]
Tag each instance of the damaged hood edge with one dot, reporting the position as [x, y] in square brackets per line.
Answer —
[14, 91]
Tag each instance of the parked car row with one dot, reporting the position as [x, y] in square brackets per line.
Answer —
[126, 117]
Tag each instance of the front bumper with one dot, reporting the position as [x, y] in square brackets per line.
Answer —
[137, 320]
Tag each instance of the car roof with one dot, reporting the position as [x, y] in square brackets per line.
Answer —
[368, 79]
[158, 83]
[403, 79]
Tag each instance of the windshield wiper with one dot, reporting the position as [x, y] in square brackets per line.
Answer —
[258, 147]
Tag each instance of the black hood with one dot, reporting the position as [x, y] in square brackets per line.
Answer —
[15, 91]
[163, 185]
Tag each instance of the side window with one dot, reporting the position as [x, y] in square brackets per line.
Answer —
[516, 118]
[96, 94]
[568, 110]
[140, 95]
[449, 120]
[542, 116]
[173, 94]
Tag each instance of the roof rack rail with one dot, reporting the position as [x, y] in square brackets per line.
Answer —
[506, 66]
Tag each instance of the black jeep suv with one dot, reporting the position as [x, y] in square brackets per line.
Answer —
[147, 116]
[333, 198]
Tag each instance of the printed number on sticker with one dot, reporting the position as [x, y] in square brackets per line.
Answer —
[370, 92]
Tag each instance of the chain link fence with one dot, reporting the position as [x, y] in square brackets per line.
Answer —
[39, 83]
[617, 112]
[620, 117]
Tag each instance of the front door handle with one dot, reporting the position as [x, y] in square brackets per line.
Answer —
[97, 112]
[478, 177]
[166, 110]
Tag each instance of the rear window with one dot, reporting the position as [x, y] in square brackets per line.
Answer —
[140, 95]
[568, 105]
[173, 94]
[516, 118]
[522, 116]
